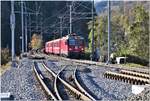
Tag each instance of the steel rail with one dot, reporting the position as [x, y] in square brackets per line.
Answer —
[80, 87]
[55, 86]
[124, 77]
[79, 94]
[49, 70]
[56, 89]
[146, 71]
[40, 78]
[135, 73]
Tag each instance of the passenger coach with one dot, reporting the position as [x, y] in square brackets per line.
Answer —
[69, 46]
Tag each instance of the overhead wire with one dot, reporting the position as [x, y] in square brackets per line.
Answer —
[54, 14]
[56, 22]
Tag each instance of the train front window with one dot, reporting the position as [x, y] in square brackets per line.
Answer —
[79, 42]
[76, 42]
[71, 42]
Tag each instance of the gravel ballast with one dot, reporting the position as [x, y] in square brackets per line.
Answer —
[22, 83]
[102, 88]
[92, 79]
[143, 96]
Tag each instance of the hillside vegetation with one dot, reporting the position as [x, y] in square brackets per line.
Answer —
[129, 34]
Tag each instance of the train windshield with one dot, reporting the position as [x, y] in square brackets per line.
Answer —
[71, 41]
[76, 42]
[79, 42]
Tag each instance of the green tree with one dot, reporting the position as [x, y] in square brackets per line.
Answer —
[102, 34]
[90, 39]
[129, 33]
[118, 34]
[139, 33]
[90, 35]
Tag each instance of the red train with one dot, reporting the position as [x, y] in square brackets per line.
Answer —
[70, 46]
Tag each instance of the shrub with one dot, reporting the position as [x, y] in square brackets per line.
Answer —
[5, 56]
[137, 60]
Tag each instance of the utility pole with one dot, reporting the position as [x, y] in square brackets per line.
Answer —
[70, 19]
[22, 22]
[98, 48]
[40, 30]
[60, 26]
[60, 32]
[29, 30]
[12, 22]
[36, 13]
[92, 57]
[29, 27]
[26, 36]
[109, 15]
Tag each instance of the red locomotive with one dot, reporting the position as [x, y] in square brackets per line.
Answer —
[69, 46]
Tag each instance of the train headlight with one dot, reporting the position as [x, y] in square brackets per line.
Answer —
[70, 48]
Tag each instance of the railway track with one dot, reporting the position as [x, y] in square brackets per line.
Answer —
[57, 89]
[72, 79]
[73, 89]
[135, 73]
[65, 87]
[45, 85]
[128, 76]
[80, 87]
[88, 62]
[58, 93]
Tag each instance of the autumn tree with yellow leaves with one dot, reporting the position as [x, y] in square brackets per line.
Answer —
[36, 42]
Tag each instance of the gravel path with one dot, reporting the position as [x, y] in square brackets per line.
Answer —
[22, 83]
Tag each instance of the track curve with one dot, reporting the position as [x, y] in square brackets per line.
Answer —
[78, 94]
[80, 87]
[40, 77]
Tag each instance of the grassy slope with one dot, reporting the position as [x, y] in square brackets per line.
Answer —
[4, 68]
